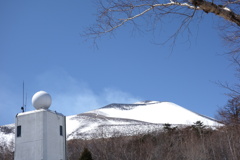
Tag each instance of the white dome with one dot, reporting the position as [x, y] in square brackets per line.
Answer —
[41, 100]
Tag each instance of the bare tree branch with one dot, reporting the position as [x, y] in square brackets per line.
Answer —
[114, 14]
[151, 7]
[219, 10]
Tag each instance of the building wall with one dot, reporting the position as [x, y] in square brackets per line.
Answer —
[40, 136]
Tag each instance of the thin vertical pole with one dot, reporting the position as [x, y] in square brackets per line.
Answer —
[26, 102]
[23, 93]
[23, 107]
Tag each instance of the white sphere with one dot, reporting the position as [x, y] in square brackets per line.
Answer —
[41, 100]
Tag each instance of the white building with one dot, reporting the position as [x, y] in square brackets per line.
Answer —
[40, 134]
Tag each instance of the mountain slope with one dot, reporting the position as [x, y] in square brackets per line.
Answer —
[91, 125]
[123, 119]
[130, 119]
[154, 112]
[7, 134]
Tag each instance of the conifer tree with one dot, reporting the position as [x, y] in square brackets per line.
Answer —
[86, 155]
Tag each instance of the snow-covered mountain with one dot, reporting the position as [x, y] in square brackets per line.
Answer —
[7, 134]
[130, 119]
[153, 112]
[124, 119]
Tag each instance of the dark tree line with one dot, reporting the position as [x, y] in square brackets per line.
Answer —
[196, 142]
[6, 150]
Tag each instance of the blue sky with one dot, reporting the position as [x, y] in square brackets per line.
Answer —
[41, 44]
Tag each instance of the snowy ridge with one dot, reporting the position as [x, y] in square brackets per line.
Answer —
[155, 112]
[95, 125]
[131, 119]
[123, 119]
[7, 134]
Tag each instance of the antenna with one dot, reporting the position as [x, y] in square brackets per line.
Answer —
[23, 106]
